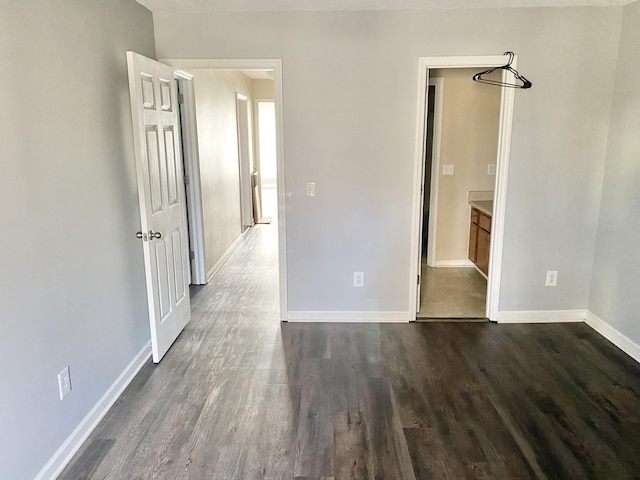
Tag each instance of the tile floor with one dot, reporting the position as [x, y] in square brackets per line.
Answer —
[452, 293]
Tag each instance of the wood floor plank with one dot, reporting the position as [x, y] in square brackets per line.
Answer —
[241, 396]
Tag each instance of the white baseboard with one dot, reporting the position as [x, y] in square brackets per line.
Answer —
[454, 263]
[74, 441]
[542, 316]
[620, 340]
[349, 316]
[225, 256]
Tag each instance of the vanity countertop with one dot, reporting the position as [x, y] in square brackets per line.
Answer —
[485, 206]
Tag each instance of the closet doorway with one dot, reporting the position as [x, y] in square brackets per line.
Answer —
[442, 252]
[460, 155]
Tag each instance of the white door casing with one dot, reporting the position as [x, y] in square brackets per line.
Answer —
[502, 170]
[422, 176]
[244, 160]
[154, 112]
[191, 164]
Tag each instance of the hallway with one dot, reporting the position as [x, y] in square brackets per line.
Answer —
[242, 396]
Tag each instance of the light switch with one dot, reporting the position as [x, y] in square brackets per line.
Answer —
[311, 189]
[447, 170]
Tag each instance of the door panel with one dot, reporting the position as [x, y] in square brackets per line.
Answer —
[165, 95]
[163, 306]
[180, 283]
[158, 166]
[172, 165]
[153, 168]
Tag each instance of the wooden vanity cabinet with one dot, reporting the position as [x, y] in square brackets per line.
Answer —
[480, 240]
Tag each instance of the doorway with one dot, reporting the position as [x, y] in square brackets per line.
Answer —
[440, 171]
[245, 163]
[266, 158]
[462, 132]
[247, 68]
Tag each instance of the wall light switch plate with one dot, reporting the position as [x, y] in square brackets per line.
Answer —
[311, 189]
[358, 279]
[64, 382]
[447, 169]
[552, 278]
[491, 169]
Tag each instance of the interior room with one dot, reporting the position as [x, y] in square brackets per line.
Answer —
[296, 352]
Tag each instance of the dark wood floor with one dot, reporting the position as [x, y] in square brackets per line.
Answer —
[241, 396]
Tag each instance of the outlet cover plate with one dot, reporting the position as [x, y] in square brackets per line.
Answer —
[358, 279]
[64, 382]
[552, 278]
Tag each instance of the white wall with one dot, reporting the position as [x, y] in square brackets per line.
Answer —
[616, 275]
[355, 138]
[469, 141]
[215, 94]
[72, 285]
[263, 89]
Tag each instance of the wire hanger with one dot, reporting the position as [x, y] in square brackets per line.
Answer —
[525, 83]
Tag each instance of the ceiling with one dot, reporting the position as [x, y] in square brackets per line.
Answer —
[337, 5]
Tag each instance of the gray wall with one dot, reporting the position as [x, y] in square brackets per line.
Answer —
[350, 94]
[616, 273]
[215, 94]
[72, 281]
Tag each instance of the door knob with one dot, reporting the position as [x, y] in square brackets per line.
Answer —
[141, 235]
[153, 234]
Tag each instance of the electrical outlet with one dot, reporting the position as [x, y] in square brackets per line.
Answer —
[311, 189]
[552, 278]
[491, 169]
[64, 382]
[447, 169]
[358, 279]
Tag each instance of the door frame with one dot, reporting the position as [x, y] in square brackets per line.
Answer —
[502, 169]
[256, 137]
[245, 163]
[437, 82]
[274, 64]
[191, 162]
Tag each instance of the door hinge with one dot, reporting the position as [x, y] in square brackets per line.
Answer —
[418, 279]
[186, 179]
[181, 98]
[192, 255]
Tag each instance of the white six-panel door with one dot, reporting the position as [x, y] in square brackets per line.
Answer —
[154, 111]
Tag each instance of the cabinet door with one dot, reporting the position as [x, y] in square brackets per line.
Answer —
[484, 221]
[482, 253]
[473, 242]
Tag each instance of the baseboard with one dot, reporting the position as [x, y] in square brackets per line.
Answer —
[349, 316]
[225, 256]
[74, 441]
[542, 316]
[454, 263]
[620, 340]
